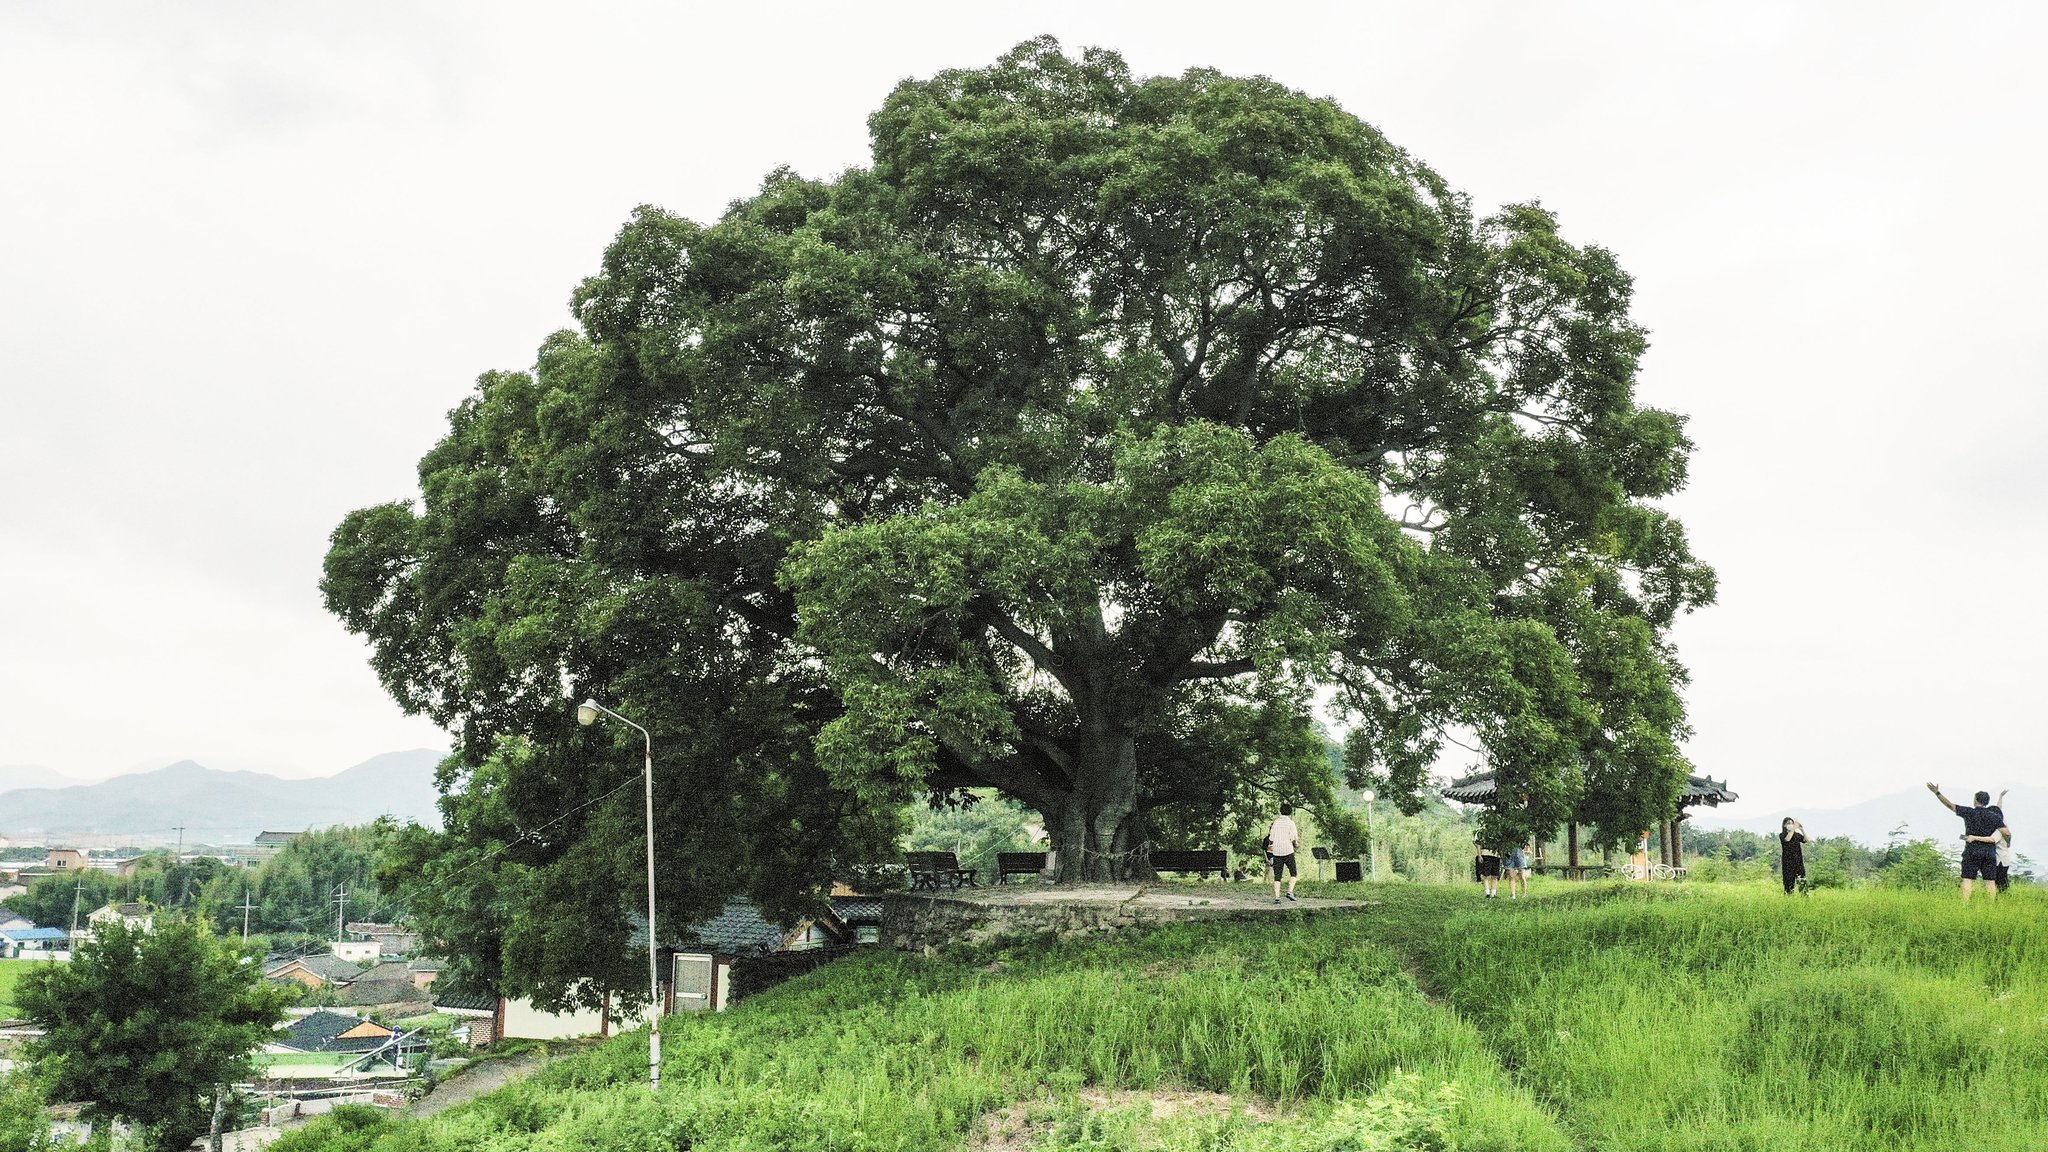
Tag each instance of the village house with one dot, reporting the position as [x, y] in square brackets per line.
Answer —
[315, 971]
[268, 844]
[391, 940]
[65, 860]
[356, 951]
[138, 917]
[700, 966]
[35, 944]
[389, 986]
[324, 1032]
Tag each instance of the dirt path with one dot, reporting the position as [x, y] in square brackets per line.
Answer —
[478, 1079]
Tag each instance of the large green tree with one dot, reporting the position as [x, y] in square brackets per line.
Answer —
[1078, 446]
[148, 1027]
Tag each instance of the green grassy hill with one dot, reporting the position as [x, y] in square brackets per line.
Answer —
[1603, 1019]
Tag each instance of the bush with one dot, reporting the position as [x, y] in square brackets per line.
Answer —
[1920, 867]
[349, 1128]
[24, 1125]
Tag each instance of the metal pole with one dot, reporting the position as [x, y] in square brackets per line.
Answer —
[1372, 843]
[653, 968]
[653, 964]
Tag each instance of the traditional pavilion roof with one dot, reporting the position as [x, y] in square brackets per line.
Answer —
[1478, 789]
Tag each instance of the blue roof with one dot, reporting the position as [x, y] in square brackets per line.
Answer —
[24, 935]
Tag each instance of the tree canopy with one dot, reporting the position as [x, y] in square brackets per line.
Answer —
[146, 1026]
[1082, 445]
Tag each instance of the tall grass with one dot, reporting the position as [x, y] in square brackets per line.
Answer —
[1715, 1018]
[895, 1052]
[1610, 1018]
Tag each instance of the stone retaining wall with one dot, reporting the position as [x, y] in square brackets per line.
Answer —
[915, 923]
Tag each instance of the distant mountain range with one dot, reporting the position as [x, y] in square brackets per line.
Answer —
[223, 807]
[1871, 822]
[14, 776]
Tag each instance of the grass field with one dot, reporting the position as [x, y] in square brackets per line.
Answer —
[1742, 1019]
[10, 974]
[1607, 1019]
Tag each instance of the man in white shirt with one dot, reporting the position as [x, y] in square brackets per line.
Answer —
[1281, 843]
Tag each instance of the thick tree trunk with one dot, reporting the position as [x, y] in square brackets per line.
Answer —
[1095, 828]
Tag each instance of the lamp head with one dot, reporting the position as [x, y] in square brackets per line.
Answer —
[586, 713]
[1368, 796]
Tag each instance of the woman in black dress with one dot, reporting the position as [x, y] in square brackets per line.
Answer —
[1791, 854]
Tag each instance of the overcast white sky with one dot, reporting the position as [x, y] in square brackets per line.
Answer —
[251, 253]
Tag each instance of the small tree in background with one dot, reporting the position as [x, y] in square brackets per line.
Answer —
[1919, 867]
[147, 1026]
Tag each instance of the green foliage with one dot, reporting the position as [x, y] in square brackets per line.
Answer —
[974, 831]
[345, 1128]
[144, 1027]
[24, 1119]
[1919, 867]
[292, 892]
[1049, 452]
[50, 900]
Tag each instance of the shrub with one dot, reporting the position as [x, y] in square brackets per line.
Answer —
[1920, 867]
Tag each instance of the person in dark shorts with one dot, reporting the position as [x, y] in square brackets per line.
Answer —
[1983, 828]
[1791, 853]
[1486, 866]
[1281, 842]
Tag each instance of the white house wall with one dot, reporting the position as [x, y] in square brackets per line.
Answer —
[523, 1021]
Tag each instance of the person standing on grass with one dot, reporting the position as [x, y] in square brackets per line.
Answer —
[1983, 828]
[1486, 866]
[2006, 859]
[1515, 866]
[1791, 853]
[1281, 843]
[2002, 847]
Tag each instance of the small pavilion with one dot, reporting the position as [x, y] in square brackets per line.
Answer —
[1478, 788]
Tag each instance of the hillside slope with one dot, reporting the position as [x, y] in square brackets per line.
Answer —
[1604, 1018]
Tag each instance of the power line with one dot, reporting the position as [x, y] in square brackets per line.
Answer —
[534, 834]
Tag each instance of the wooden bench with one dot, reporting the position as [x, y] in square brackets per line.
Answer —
[1018, 864]
[1200, 861]
[929, 869]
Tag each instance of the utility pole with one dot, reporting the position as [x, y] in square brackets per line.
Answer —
[178, 862]
[77, 894]
[340, 906]
[246, 906]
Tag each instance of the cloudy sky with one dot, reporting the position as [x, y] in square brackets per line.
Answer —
[251, 253]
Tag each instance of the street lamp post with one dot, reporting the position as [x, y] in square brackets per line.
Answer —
[1372, 843]
[586, 715]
